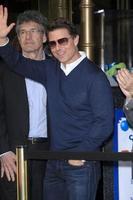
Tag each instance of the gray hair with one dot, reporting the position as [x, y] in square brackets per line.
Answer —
[31, 15]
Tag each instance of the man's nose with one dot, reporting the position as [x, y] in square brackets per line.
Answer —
[58, 46]
[28, 34]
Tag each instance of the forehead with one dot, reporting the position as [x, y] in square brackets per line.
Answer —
[58, 33]
[29, 25]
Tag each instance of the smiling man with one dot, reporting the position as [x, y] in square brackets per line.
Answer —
[80, 108]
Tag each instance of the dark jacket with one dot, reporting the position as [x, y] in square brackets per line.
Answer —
[14, 127]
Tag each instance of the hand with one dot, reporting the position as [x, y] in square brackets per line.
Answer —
[76, 162]
[8, 166]
[125, 80]
[4, 28]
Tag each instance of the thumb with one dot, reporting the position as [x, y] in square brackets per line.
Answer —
[10, 27]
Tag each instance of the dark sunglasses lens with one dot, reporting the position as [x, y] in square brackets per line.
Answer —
[52, 44]
[63, 41]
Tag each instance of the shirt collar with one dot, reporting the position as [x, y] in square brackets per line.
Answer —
[69, 67]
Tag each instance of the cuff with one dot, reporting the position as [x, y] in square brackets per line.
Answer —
[7, 41]
[128, 103]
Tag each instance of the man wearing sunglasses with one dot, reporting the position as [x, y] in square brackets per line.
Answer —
[80, 108]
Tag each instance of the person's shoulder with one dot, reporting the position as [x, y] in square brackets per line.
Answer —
[94, 72]
[4, 70]
[92, 66]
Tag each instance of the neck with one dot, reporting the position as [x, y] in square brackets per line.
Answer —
[34, 55]
[76, 57]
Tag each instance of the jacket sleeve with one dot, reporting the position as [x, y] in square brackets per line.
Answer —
[33, 69]
[4, 147]
[101, 102]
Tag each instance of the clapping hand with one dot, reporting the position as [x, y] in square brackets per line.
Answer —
[125, 81]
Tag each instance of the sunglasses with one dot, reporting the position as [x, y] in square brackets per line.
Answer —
[61, 41]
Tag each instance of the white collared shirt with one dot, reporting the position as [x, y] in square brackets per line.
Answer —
[69, 67]
[37, 98]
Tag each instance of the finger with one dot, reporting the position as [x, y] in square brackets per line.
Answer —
[5, 14]
[12, 175]
[7, 174]
[2, 171]
[124, 77]
[76, 162]
[9, 161]
[1, 10]
[125, 74]
[121, 80]
[83, 161]
[13, 167]
[10, 172]
[10, 27]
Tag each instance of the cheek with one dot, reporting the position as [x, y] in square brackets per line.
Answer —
[53, 51]
[39, 41]
[70, 50]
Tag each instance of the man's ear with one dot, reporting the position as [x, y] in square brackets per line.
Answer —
[76, 40]
[44, 38]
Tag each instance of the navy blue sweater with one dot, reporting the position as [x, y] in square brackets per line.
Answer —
[80, 106]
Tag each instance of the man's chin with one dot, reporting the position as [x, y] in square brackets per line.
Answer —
[28, 50]
[61, 59]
